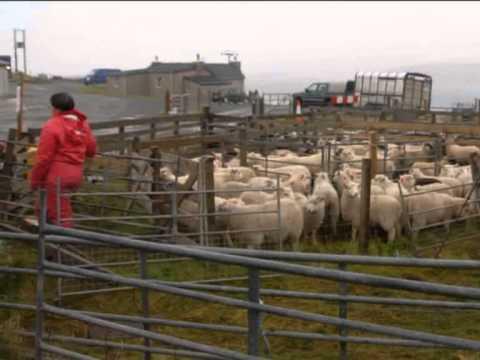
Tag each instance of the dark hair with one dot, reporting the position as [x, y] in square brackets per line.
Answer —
[62, 101]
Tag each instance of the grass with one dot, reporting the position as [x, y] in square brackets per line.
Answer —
[446, 322]
[454, 323]
[98, 89]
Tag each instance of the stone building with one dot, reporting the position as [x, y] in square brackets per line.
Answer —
[197, 81]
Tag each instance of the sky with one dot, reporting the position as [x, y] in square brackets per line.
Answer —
[293, 39]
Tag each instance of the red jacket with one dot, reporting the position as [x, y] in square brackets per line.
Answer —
[65, 139]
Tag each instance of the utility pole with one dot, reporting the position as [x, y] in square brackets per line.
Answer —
[19, 44]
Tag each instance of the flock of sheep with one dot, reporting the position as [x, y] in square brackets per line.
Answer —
[309, 198]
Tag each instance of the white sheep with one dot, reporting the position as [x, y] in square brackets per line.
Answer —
[166, 174]
[349, 157]
[428, 168]
[312, 162]
[388, 186]
[428, 209]
[385, 211]
[262, 182]
[314, 214]
[241, 173]
[260, 197]
[239, 219]
[460, 153]
[323, 188]
[283, 152]
[461, 173]
[284, 172]
[409, 184]
[191, 207]
[296, 176]
[457, 186]
[230, 189]
[299, 183]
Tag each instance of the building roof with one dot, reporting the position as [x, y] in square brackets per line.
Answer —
[219, 73]
[160, 67]
[226, 72]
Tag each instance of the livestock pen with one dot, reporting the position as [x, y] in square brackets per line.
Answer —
[256, 331]
[140, 244]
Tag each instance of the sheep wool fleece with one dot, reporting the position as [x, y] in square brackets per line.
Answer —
[65, 141]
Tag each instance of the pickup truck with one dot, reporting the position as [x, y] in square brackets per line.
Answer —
[322, 94]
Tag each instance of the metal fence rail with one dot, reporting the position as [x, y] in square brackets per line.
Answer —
[255, 261]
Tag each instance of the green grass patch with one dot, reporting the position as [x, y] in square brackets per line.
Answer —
[98, 89]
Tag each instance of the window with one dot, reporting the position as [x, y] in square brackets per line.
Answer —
[312, 88]
[322, 88]
[158, 81]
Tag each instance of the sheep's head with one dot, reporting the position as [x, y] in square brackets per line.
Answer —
[416, 173]
[229, 205]
[314, 205]
[342, 177]
[235, 173]
[219, 201]
[407, 181]
[381, 180]
[345, 155]
[352, 190]
[166, 173]
[344, 166]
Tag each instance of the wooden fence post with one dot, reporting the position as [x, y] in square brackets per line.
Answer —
[203, 128]
[475, 168]
[242, 133]
[364, 206]
[372, 142]
[176, 127]
[209, 117]
[209, 195]
[153, 131]
[437, 147]
[261, 106]
[167, 102]
[121, 133]
[156, 186]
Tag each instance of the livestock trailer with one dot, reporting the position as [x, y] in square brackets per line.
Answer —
[405, 91]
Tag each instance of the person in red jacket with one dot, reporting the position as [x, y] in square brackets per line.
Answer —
[65, 141]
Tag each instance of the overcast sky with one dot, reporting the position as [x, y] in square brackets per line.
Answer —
[298, 39]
